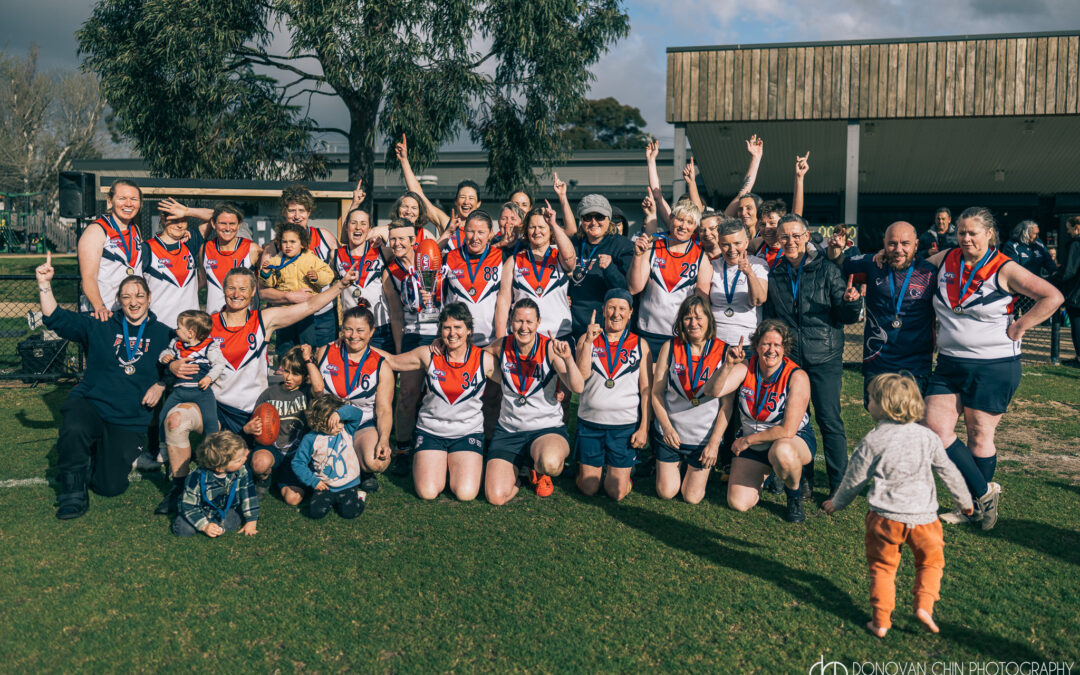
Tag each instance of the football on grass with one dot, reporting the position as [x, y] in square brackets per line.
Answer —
[271, 423]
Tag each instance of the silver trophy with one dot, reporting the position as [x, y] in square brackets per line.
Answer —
[428, 313]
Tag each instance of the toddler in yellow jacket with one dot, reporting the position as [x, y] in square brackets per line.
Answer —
[295, 267]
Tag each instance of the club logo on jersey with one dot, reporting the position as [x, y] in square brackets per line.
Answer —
[332, 368]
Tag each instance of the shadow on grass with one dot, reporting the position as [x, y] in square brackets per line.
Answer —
[1057, 542]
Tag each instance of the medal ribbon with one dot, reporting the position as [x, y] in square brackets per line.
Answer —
[127, 242]
[228, 501]
[586, 260]
[517, 362]
[350, 383]
[759, 400]
[283, 265]
[612, 366]
[543, 265]
[771, 258]
[466, 256]
[128, 349]
[796, 281]
[728, 295]
[903, 289]
[974, 270]
[695, 373]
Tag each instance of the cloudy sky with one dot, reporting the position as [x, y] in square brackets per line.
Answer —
[634, 70]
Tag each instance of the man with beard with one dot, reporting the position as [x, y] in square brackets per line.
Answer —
[898, 336]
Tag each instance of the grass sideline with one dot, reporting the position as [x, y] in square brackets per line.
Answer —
[557, 584]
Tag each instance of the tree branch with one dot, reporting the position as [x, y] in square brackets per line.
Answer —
[258, 58]
[330, 130]
[288, 100]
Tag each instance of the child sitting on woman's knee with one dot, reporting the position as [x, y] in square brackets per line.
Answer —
[902, 457]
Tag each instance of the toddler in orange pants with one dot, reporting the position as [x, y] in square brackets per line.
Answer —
[901, 457]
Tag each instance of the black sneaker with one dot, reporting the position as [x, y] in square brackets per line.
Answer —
[369, 482]
[806, 486]
[170, 503]
[773, 485]
[795, 512]
[400, 464]
[74, 499]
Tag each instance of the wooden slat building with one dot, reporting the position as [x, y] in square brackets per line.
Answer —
[930, 120]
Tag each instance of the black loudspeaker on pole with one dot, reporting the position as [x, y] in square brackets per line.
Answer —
[77, 194]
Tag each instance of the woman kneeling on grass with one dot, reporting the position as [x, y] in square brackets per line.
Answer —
[450, 424]
[776, 434]
[531, 430]
[106, 415]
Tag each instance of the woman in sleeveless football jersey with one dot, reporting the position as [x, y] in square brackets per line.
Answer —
[169, 269]
[689, 422]
[471, 275]
[538, 270]
[773, 395]
[668, 269]
[450, 424]
[243, 335]
[978, 340]
[531, 429]
[357, 374]
[361, 246]
[110, 249]
[613, 409]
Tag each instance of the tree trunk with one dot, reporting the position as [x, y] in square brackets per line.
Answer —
[362, 151]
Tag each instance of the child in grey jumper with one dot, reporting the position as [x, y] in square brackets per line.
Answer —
[902, 457]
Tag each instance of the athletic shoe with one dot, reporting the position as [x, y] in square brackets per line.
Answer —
[400, 464]
[989, 503]
[542, 484]
[170, 503]
[806, 486]
[369, 482]
[795, 512]
[74, 498]
[955, 517]
[146, 462]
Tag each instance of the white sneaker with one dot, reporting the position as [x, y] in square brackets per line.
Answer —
[146, 462]
[956, 517]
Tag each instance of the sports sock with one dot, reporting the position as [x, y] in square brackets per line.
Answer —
[793, 494]
[986, 465]
[965, 462]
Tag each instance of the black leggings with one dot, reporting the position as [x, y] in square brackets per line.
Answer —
[88, 443]
[1074, 326]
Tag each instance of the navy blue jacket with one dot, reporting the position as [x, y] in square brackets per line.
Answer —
[116, 395]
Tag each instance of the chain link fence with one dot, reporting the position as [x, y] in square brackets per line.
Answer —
[28, 351]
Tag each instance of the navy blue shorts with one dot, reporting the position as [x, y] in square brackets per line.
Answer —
[655, 341]
[691, 454]
[598, 445]
[986, 385]
[325, 328]
[284, 476]
[806, 433]
[921, 380]
[383, 338]
[233, 419]
[514, 446]
[467, 443]
[410, 341]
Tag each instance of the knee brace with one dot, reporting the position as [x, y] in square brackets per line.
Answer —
[179, 423]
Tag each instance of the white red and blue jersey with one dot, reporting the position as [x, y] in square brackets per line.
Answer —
[693, 423]
[978, 332]
[771, 256]
[170, 275]
[122, 252]
[619, 404]
[318, 245]
[768, 411]
[370, 265]
[197, 354]
[452, 404]
[543, 280]
[406, 282]
[528, 375]
[244, 347]
[478, 289]
[217, 263]
[672, 278]
[353, 382]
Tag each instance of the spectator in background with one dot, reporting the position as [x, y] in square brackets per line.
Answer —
[1069, 281]
[940, 237]
[1025, 247]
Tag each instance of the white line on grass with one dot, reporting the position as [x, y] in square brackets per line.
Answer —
[134, 477]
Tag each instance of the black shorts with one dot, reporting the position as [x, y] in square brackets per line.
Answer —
[514, 446]
[467, 443]
[410, 341]
[806, 433]
[986, 385]
[921, 380]
[691, 454]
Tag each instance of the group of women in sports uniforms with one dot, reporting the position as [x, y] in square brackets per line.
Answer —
[673, 352]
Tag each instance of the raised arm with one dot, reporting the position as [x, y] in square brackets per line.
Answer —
[584, 347]
[638, 276]
[437, 215]
[44, 274]
[801, 167]
[171, 208]
[689, 173]
[562, 361]
[287, 315]
[569, 221]
[505, 296]
[730, 375]
[652, 150]
[756, 147]
[648, 207]
[567, 254]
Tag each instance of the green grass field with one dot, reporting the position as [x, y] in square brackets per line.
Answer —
[566, 583]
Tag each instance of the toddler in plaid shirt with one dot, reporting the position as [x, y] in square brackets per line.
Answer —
[220, 495]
